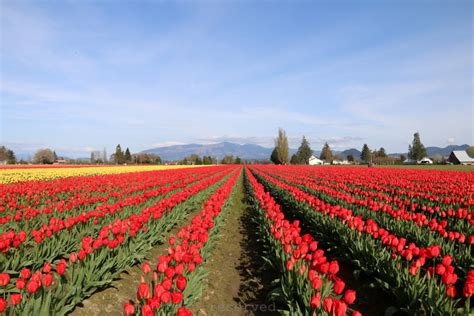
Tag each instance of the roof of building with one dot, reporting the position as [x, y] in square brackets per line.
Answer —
[314, 158]
[462, 156]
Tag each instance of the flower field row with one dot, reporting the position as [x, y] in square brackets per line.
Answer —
[78, 254]
[309, 280]
[178, 274]
[12, 175]
[422, 270]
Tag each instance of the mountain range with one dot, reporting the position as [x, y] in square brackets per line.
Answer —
[257, 152]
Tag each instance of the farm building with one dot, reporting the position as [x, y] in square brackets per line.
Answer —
[460, 157]
[315, 161]
[425, 161]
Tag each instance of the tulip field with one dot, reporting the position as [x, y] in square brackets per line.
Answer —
[329, 234]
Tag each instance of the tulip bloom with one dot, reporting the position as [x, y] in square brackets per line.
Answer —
[15, 299]
[129, 309]
[4, 279]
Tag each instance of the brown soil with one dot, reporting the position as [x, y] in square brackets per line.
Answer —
[236, 283]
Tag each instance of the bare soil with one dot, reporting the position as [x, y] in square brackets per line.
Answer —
[236, 283]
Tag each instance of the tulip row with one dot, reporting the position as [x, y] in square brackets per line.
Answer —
[178, 274]
[50, 237]
[438, 192]
[79, 212]
[100, 257]
[391, 259]
[39, 200]
[308, 279]
[12, 175]
[439, 206]
[431, 225]
[403, 227]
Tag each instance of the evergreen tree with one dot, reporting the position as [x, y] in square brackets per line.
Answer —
[228, 159]
[416, 150]
[238, 161]
[119, 156]
[55, 156]
[128, 156]
[326, 153]
[304, 152]
[281, 148]
[294, 160]
[274, 157]
[207, 160]
[350, 158]
[11, 159]
[366, 155]
[381, 153]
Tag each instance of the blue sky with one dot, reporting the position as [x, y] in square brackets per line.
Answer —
[77, 76]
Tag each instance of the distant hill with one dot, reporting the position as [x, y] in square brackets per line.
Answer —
[219, 150]
[251, 151]
[354, 152]
[445, 151]
[432, 151]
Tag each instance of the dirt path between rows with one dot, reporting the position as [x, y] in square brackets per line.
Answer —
[236, 283]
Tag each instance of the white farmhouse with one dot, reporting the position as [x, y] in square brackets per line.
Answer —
[315, 161]
[425, 161]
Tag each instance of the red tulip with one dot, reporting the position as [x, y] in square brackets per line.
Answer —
[328, 304]
[3, 304]
[61, 267]
[20, 284]
[165, 297]
[25, 273]
[129, 309]
[15, 298]
[181, 283]
[32, 286]
[183, 311]
[147, 311]
[143, 290]
[167, 284]
[339, 286]
[4, 279]
[47, 267]
[316, 283]
[169, 272]
[316, 301]
[81, 255]
[73, 257]
[340, 308]
[333, 267]
[447, 260]
[146, 268]
[176, 297]
[451, 291]
[350, 296]
[47, 279]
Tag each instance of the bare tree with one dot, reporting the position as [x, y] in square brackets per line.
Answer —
[44, 156]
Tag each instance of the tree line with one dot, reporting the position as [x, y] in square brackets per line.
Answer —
[280, 153]
[208, 160]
